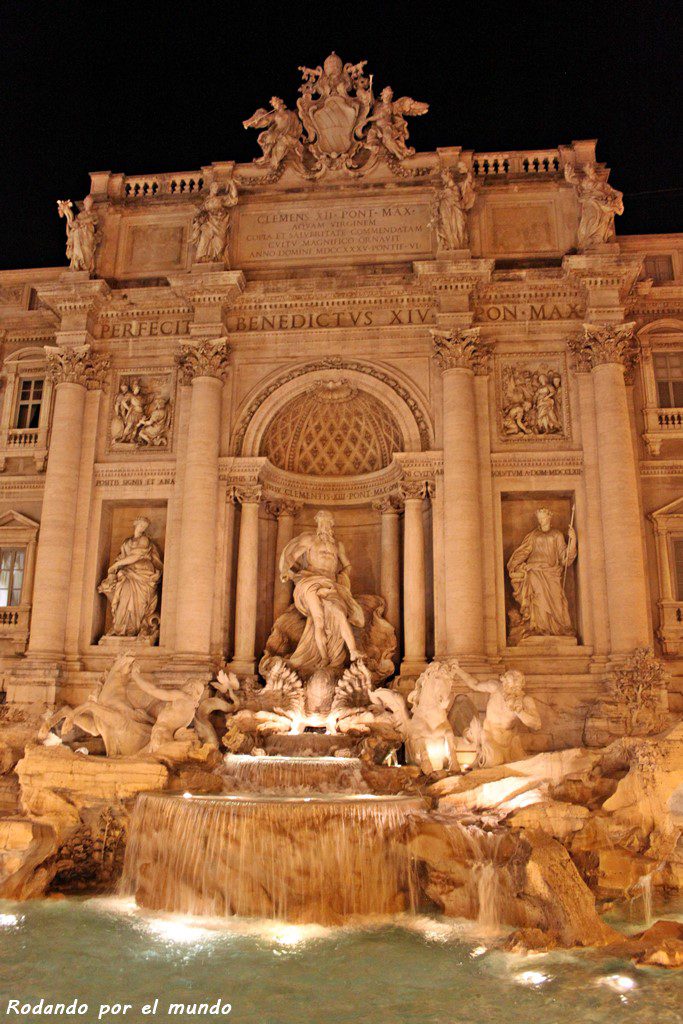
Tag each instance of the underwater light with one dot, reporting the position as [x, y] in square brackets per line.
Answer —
[618, 982]
[531, 978]
[178, 931]
[187, 796]
[8, 920]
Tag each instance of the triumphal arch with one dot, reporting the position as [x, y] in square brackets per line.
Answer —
[450, 352]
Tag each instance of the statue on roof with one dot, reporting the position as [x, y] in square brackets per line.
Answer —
[598, 202]
[282, 133]
[83, 234]
[211, 222]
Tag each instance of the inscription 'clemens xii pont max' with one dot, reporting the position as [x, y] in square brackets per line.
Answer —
[297, 232]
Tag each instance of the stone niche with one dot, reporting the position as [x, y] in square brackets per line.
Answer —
[518, 514]
[116, 524]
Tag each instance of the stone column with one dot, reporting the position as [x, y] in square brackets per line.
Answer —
[607, 350]
[460, 353]
[285, 513]
[72, 370]
[204, 366]
[414, 623]
[390, 588]
[246, 598]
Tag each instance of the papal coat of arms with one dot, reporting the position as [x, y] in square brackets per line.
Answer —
[338, 124]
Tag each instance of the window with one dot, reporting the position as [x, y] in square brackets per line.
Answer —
[11, 575]
[677, 544]
[669, 378]
[659, 268]
[28, 407]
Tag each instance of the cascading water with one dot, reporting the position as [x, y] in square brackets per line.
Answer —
[481, 849]
[304, 859]
[292, 775]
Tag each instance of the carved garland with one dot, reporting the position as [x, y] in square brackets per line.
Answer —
[332, 363]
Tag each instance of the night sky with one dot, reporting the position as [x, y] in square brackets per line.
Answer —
[164, 87]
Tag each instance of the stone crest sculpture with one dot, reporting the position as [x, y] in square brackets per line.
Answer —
[532, 400]
[211, 222]
[537, 570]
[83, 234]
[449, 211]
[338, 124]
[599, 203]
[496, 737]
[132, 586]
[141, 414]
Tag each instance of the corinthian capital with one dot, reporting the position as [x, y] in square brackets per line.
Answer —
[245, 493]
[204, 359]
[605, 343]
[461, 349]
[77, 365]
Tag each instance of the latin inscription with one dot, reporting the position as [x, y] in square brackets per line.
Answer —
[339, 231]
[326, 319]
[141, 328]
[510, 312]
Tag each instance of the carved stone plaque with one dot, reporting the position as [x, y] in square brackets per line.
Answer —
[532, 397]
[349, 231]
[142, 413]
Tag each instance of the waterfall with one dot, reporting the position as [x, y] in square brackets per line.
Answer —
[292, 775]
[481, 849]
[322, 859]
[645, 885]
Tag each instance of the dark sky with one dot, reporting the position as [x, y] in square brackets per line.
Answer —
[141, 87]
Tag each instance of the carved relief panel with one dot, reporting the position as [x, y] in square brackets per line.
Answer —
[141, 415]
[532, 398]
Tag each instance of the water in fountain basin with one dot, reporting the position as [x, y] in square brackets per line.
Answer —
[322, 859]
[292, 775]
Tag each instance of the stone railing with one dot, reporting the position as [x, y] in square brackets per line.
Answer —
[14, 623]
[671, 627]
[661, 425]
[23, 438]
[153, 186]
[521, 163]
[525, 163]
[670, 419]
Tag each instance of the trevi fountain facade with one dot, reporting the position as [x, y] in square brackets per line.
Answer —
[341, 530]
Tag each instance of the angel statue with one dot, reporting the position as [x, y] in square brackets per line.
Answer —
[388, 125]
[281, 136]
[451, 203]
[599, 203]
[211, 222]
[82, 234]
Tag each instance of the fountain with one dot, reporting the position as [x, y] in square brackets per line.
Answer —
[320, 859]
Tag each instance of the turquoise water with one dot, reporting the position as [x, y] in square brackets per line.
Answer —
[428, 972]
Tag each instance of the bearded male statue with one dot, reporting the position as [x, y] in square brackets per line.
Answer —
[326, 627]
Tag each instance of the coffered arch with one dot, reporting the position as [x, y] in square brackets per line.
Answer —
[388, 401]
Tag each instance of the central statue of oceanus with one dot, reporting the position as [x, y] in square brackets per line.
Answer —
[326, 627]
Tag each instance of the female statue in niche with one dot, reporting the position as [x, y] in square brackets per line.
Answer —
[132, 585]
[537, 570]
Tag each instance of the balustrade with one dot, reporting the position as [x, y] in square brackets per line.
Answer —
[153, 186]
[525, 163]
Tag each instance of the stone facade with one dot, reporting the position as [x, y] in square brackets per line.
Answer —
[339, 354]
